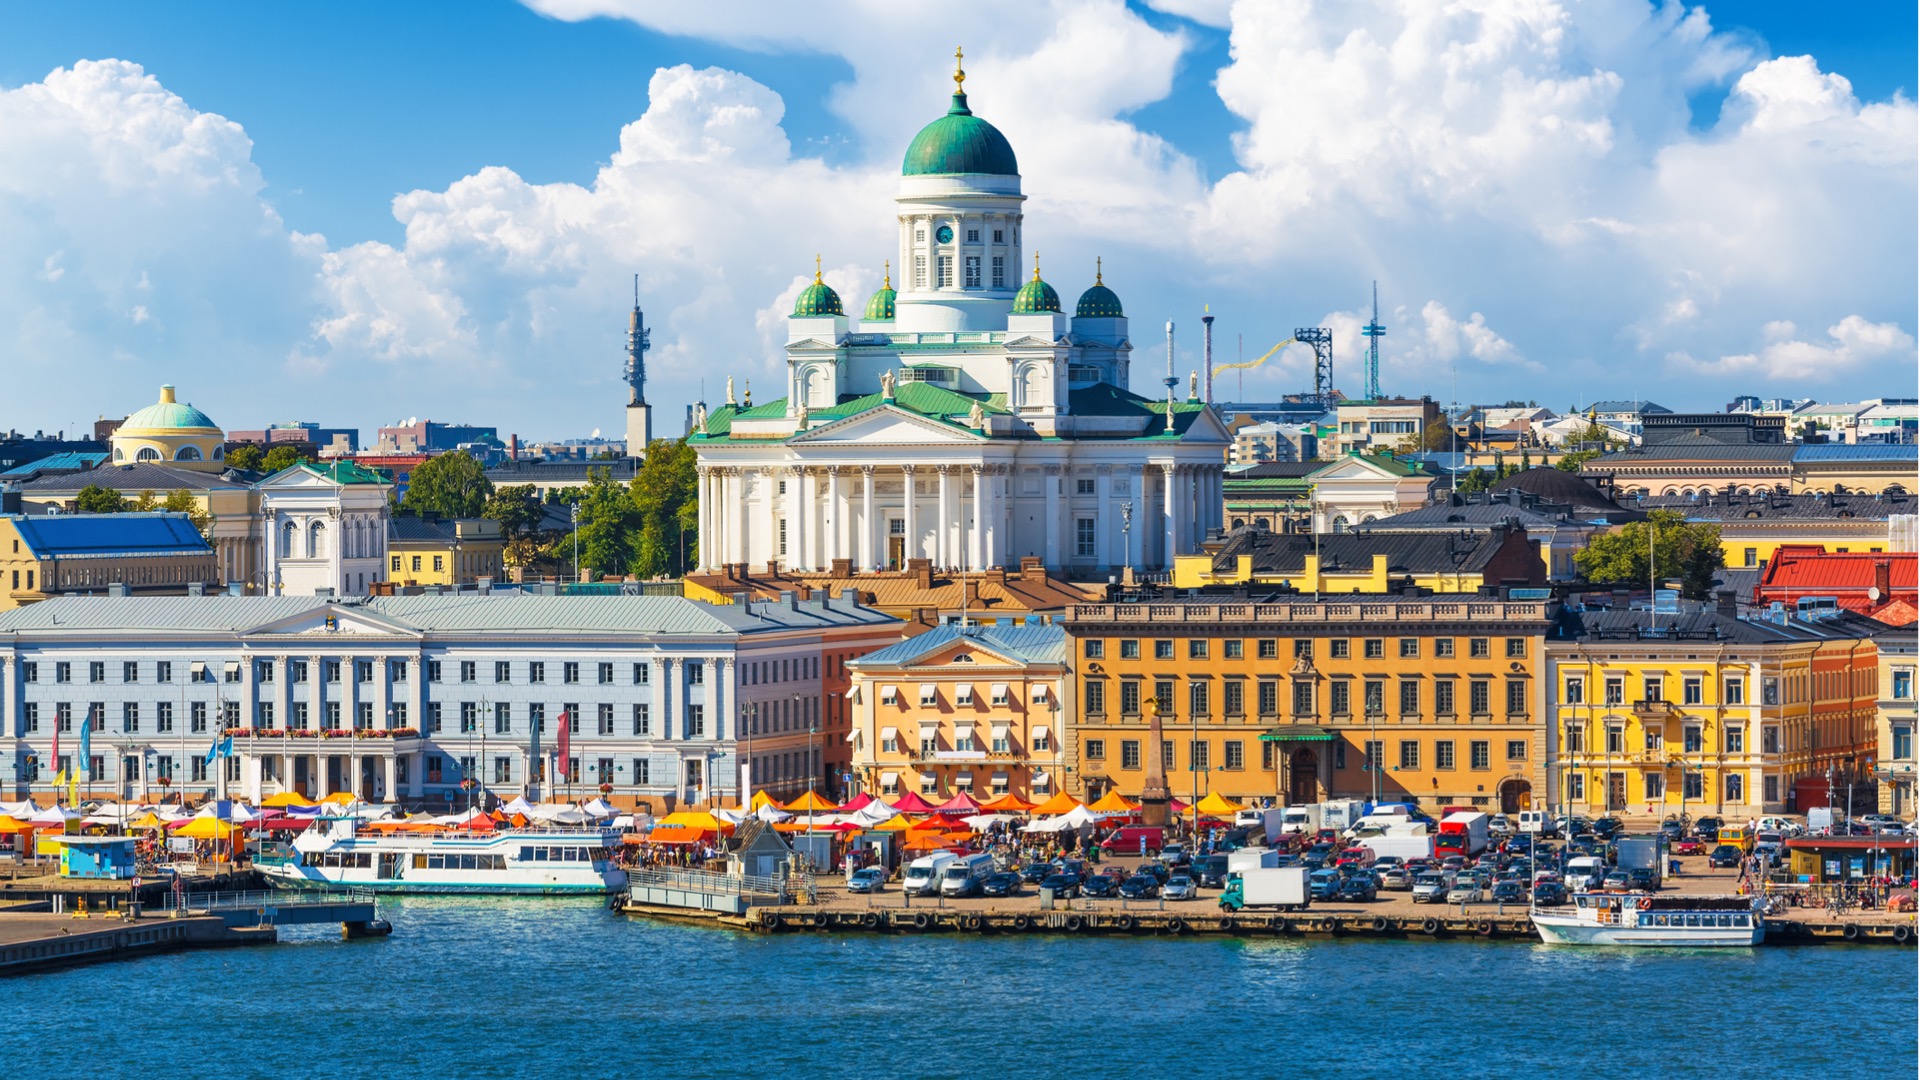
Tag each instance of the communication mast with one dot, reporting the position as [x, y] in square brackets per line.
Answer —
[639, 413]
[1374, 332]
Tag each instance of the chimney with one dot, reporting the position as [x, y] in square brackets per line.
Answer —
[1883, 577]
[740, 600]
[850, 597]
[789, 599]
[1032, 564]
[196, 588]
[513, 448]
[118, 588]
[1726, 603]
[485, 585]
[922, 571]
[972, 592]
[841, 568]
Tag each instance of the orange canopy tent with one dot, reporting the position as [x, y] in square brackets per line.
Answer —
[897, 823]
[1007, 804]
[1218, 805]
[760, 799]
[674, 834]
[11, 824]
[1114, 803]
[1059, 804]
[930, 824]
[928, 842]
[811, 802]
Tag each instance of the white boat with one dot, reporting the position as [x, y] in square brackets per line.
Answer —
[335, 855]
[1648, 920]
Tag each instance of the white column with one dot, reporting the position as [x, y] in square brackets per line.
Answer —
[742, 536]
[1051, 478]
[912, 524]
[663, 697]
[1168, 537]
[993, 529]
[869, 527]
[1135, 496]
[1106, 533]
[976, 546]
[791, 513]
[720, 698]
[704, 552]
[390, 776]
[943, 523]
[836, 524]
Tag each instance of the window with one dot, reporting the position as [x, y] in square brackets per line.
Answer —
[502, 770]
[1616, 690]
[1692, 690]
[1166, 754]
[1902, 683]
[1129, 649]
[502, 671]
[1269, 697]
[1481, 754]
[363, 716]
[605, 672]
[1199, 756]
[1750, 557]
[1097, 749]
[1302, 698]
[1269, 754]
[920, 267]
[502, 718]
[62, 672]
[30, 672]
[1375, 699]
[1409, 754]
[197, 717]
[1770, 691]
[1770, 740]
[1443, 648]
[1516, 648]
[1269, 649]
[1129, 698]
[1480, 699]
[1095, 695]
[1303, 649]
[1443, 754]
[1516, 749]
[1374, 755]
[973, 272]
[1233, 697]
[1736, 740]
[1655, 740]
[1443, 697]
[536, 672]
[439, 563]
[1409, 697]
[130, 717]
[130, 671]
[1163, 693]
[1340, 754]
[1338, 693]
[1374, 648]
[642, 720]
[1042, 740]
[1516, 697]
[1693, 785]
[396, 564]
[330, 671]
[96, 671]
[696, 721]
[945, 265]
[1094, 649]
[1690, 739]
[1616, 740]
[1576, 787]
[1233, 754]
[1339, 648]
[1409, 648]
[1656, 786]
[1736, 787]
[1736, 690]
[1902, 742]
[1576, 690]
[1163, 649]
[640, 674]
[999, 267]
[1083, 538]
[1479, 647]
[1198, 703]
[570, 673]
[1653, 688]
[1197, 649]
[1771, 785]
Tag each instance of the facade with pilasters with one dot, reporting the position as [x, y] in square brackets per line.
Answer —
[966, 419]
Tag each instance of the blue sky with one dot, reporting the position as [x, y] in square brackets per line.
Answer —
[347, 105]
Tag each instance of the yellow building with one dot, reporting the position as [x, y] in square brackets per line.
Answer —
[1381, 562]
[975, 710]
[170, 431]
[427, 550]
[141, 553]
[1752, 526]
[1437, 700]
[1698, 711]
[1896, 721]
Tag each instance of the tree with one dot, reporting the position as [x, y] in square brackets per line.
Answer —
[145, 503]
[1571, 462]
[94, 499]
[1434, 438]
[665, 494]
[281, 457]
[516, 508]
[608, 525]
[182, 501]
[452, 484]
[1690, 552]
[246, 458]
[1475, 480]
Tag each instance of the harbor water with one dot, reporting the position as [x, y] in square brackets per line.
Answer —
[529, 988]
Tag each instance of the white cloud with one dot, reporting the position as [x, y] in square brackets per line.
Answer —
[1851, 344]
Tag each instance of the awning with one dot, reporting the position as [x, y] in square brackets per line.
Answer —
[929, 694]
[1040, 778]
[889, 778]
[888, 734]
[963, 694]
[233, 670]
[1000, 777]
[1040, 734]
[1296, 733]
[999, 693]
[1039, 695]
[853, 736]
[963, 780]
[853, 694]
[889, 695]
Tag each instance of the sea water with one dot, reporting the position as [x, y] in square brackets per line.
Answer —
[564, 988]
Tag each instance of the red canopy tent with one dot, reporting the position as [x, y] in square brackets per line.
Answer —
[858, 802]
[961, 803]
[911, 803]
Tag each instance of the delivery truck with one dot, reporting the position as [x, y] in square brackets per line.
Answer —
[1267, 821]
[1300, 819]
[1252, 858]
[1283, 887]
[1461, 834]
[1407, 844]
[1341, 814]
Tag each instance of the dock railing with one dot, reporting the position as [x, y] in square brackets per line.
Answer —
[758, 890]
[251, 898]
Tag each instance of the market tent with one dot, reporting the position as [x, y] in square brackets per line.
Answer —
[674, 834]
[1056, 823]
[148, 820]
[692, 819]
[23, 809]
[282, 823]
[54, 815]
[928, 842]
[858, 802]
[930, 824]
[1079, 816]
[111, 814]
[559, 813]
[961, 803]
[1177, 806]
[896, 823]
[1059, 804]
[11, 824]
[516, 805]
[1007, 804]
[478, 821]
[760, 799]
[207, 828]
[771, 812]
[911, 803]
[1218, 805]
[342, 798]
[286, 799]
[983, 822]
[1114, 803]
[874, 813]
[811, 802]
[599, 808]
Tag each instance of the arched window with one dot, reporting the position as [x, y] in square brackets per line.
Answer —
[147, 453]
[187, 453]
[288, 533]
[316, 540]
[119, 454]
[1340, 524]
[219, 453]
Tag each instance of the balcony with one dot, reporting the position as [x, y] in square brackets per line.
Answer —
[1655, 709]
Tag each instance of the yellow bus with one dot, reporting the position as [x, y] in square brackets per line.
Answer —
[1740, 836]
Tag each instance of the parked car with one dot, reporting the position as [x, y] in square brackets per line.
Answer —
[1617, 881]
[1465, 890]
[1394, 878]
[1605, 827]
[1064, 886]
[1102, 886]
[1035, 873]
[1500, 825]
[1707, 828]
[1430, 888]
[1140, 887]
[1672, 829]
[1210, 871]
[1643, 877]
[1179, 887]
[867, 879]
[1689, 846]
[1323, 883]
[1358, 887]
[1725, 855]
[1549, 894]
[1175, 855]
[1157, 871]
[1004, 883]
[1509, 891]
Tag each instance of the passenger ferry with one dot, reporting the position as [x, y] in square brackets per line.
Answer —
[1643, 919]
[334, 855]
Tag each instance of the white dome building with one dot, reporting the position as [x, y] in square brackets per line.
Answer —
[171, 432]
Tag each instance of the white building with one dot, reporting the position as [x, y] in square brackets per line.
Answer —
[966, 419]
[406, 697]
[325, 529]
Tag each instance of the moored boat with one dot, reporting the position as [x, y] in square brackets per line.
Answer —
[1644, 919]
[336, 855]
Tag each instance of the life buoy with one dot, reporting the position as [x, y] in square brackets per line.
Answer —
[870, 920]
[1177, 925]
[1851, 933]
[1281, 924]
[1485, 928]
[1022, 922]
[1226, 923]
[1902, 934]
[970, 922]
[1646, 903]
[922, 920]
[1074, 923]
[1431, 925]
[1123, 922]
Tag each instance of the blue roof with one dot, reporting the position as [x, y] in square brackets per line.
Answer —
[1859, 452]
[1044, 644]
[71, 461]
[80, 535]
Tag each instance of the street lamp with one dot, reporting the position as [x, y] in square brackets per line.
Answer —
[574, 514]
[751, 711]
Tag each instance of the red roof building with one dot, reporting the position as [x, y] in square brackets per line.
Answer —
[1880, 585]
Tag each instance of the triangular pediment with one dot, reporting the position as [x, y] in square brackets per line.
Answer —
[960, 656]
[1352, 468]
[335, 620]
[887, 425]
[298, 479]
[1206, 428]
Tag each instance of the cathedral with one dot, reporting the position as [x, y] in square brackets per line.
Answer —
[964, 418]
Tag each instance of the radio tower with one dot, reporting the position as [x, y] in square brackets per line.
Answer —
[1374, 332]
[639, 413]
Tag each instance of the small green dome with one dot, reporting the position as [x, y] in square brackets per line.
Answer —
[880, 308]
[1035, 296]
[1098, 302]
[817, 298]
[168, 415]
[959, 142]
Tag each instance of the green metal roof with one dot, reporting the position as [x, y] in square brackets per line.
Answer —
[818, 299]
[959, 142]
[168, 414]
[345, 472]
[1098, 302]
[1035, 297]
[880, 307]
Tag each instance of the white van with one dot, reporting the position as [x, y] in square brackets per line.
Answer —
[923, 874]
[1531, 821]
[962, 876]
[1586, 872]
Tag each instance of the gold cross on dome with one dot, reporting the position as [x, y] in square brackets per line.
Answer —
[959, 72]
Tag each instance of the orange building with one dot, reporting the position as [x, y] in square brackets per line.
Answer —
[1431, 699]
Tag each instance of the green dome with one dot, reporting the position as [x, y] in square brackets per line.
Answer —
[168, 415]
[959, 142]
[880, 308]
[1035, 297]
[1098, 302]
[818, 299]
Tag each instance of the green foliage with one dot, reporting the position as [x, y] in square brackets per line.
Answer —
[94, 499]
[1572, 462]
[665, 494]
[145, 503]
[452, 484]
[182, 501]
[247, 458]
[281, 457]
[608, 526]
[1690, 552]
[516, 508]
